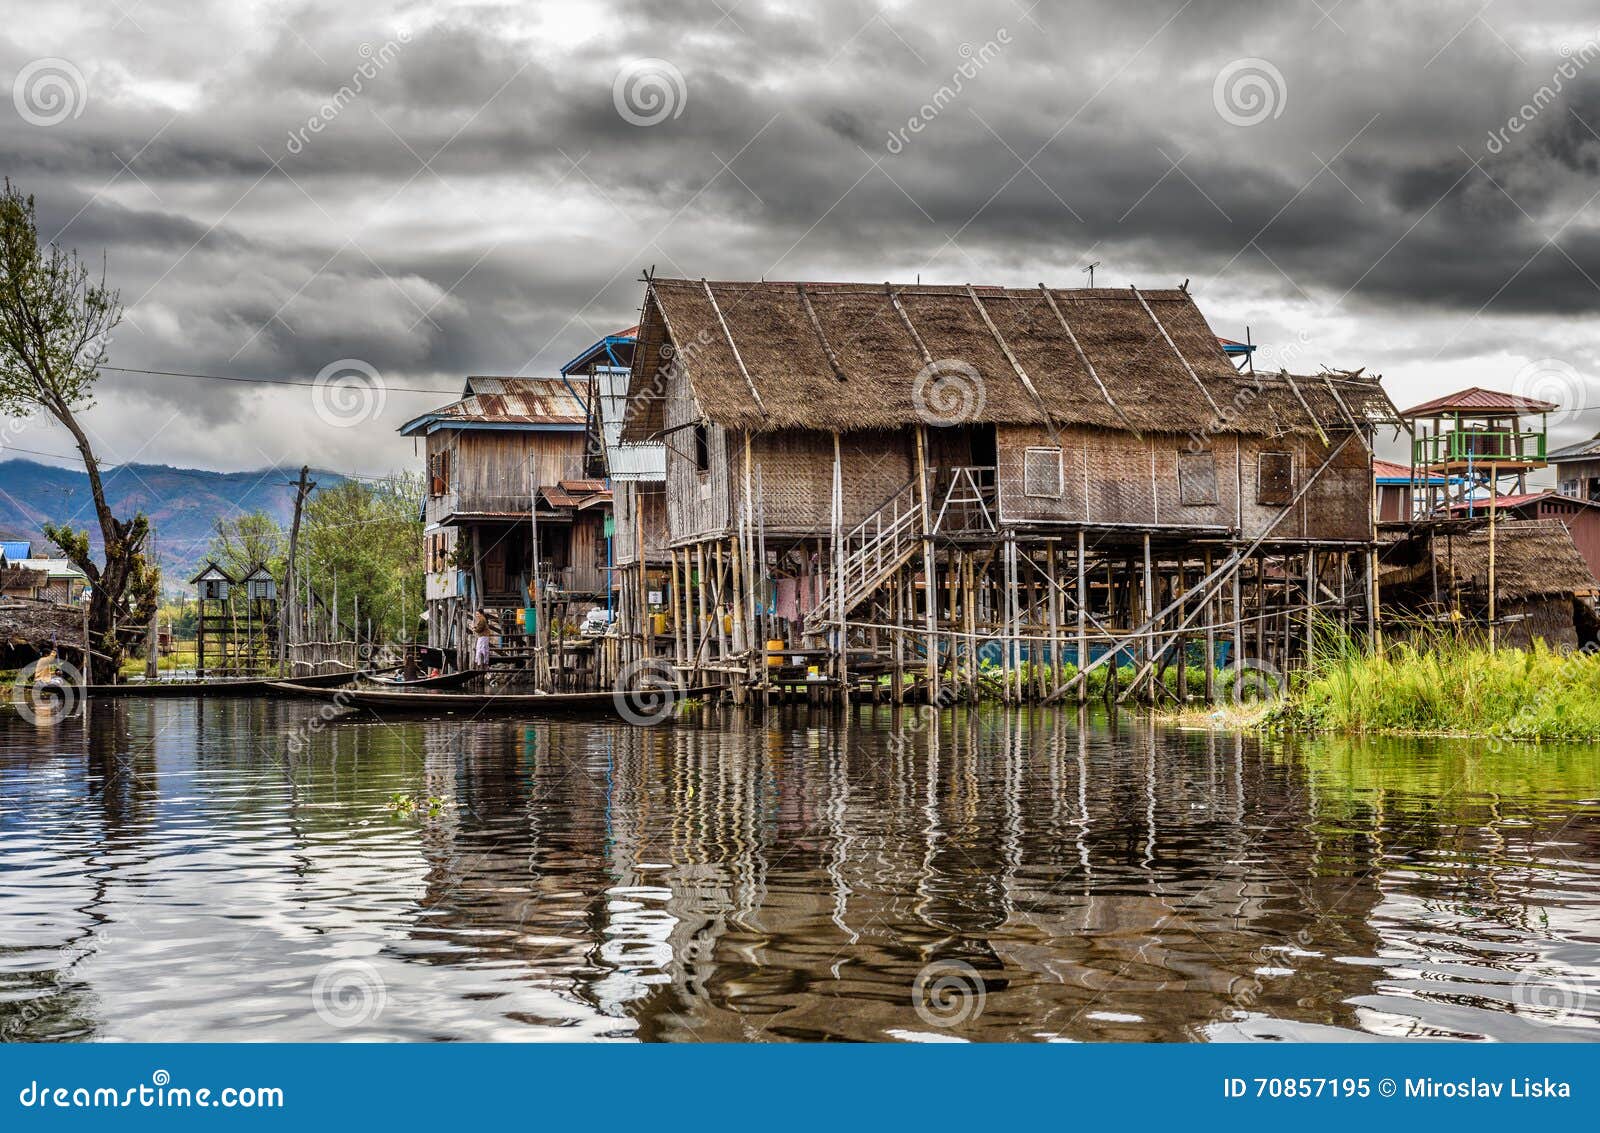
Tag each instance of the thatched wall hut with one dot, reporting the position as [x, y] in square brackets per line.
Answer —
[1543, 587]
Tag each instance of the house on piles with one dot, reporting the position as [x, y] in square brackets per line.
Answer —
[515, 520]
[873, 485]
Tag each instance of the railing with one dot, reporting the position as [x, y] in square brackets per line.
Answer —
[873, 548]
[1480, 446]
[965, 500]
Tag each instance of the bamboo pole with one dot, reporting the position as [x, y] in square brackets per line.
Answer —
[1083, 627]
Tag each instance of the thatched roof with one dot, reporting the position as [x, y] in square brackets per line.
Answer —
[1531, 558]
[766, 355]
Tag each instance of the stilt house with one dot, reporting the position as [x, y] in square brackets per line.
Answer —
[869, 484]
[514, 521]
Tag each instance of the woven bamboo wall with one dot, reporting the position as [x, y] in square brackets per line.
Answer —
[698, 503]
[796, 476]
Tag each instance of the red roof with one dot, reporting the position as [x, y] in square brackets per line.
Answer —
[1391, 470]
[1476, 399]
[1505, 503]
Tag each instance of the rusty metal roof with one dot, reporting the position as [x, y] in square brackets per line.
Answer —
[507, 403]
[1476, 399]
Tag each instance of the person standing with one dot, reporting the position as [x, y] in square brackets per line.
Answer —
[480, 644]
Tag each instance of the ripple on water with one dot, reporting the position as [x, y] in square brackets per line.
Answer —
[169, 870]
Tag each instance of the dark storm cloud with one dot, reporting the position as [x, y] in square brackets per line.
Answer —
[472, 200]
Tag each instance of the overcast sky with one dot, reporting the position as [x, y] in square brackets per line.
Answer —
[486, 181]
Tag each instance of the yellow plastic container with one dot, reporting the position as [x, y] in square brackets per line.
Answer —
[775, 652]
[658, 624]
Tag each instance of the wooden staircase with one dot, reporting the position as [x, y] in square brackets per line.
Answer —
[873, 550]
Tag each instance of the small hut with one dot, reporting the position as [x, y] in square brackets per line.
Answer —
[1543, 589]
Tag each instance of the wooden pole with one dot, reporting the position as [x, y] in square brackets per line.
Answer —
[1494, 493]
[929, 593]
[1083, 625]
[291, 623]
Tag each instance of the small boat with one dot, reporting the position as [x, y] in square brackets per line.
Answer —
[646, 703]
[239, 686]
[442, 680]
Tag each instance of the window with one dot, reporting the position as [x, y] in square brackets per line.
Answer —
[439, 472]
[702, 448]
[1041, 473]
[1197, 479]
[1275, 479]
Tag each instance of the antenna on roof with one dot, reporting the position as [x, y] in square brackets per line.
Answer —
[1089, 271]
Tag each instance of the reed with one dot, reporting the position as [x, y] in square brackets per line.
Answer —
[1447, 684]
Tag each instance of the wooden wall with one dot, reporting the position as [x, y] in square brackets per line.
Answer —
[647, 500]
[1115, 478]
[698, 503]
[795, 484]
[489, 469]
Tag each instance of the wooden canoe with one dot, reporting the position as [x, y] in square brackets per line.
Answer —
[443, 680]
[247, 686]
[442, 703]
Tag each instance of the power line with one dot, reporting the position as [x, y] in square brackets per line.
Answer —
[266, 381]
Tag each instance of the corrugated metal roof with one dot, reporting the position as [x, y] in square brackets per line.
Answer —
[1583, 450]
[1504, 503]
[14, 551]
[1387, 471]
[1478, 399]
[55, 568]
[632, 460]
[490, 402]
[614, 349]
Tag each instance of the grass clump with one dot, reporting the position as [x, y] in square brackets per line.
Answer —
[1448, 685]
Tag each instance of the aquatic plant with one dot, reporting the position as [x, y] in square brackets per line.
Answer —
[1447, 684]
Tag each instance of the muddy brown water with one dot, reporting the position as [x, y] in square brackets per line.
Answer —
[241, 870]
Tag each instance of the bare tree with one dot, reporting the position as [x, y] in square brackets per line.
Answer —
[55, 325]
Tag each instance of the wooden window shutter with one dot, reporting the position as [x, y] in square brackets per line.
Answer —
[1197, 478]
[1041, 473]
[1275, 478]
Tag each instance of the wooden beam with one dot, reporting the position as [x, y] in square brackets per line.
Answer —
[1198, 383]
[816, 327]
[1016, 366]
[734, 346]
[1084, 358]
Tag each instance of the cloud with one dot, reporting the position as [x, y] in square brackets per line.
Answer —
[472, 201]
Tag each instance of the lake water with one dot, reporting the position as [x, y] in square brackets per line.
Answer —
[217, 870]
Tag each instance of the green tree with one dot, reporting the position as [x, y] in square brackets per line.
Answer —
[55, 323]
[243, 542]
[366, 539]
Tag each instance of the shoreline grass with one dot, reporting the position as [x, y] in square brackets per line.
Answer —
[1446, 685]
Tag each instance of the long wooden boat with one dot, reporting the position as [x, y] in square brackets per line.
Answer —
[244, 686]
[443, 680]
[385, 701]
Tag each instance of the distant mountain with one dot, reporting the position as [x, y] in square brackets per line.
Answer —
[183, 503]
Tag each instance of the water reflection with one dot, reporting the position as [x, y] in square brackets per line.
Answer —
[186, 870]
